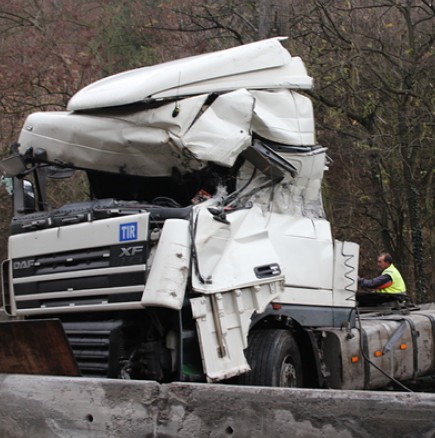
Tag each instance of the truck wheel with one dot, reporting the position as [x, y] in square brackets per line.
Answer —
[274, 358]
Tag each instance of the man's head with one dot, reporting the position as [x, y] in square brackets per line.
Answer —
[384, 260]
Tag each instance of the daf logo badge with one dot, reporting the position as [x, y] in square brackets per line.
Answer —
[23, 264]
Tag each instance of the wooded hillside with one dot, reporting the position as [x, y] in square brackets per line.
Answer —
[373, 63]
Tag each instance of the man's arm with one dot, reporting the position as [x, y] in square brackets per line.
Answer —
[381, 282]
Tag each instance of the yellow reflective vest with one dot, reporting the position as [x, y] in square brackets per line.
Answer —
[398, 286]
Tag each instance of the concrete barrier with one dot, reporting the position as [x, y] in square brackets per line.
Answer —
[47, 407]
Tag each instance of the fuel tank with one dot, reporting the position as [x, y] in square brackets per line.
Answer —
[381, 347]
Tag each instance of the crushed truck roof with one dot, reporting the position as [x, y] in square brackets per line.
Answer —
[181, 114]
[261, 65]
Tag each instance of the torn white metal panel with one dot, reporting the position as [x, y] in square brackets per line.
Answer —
[223, 322]
[167, 279]
[292, 74]
[221, 246]
[148, 142]
[224, 129]
[295, 226]
[285, 225]
[107, 144]
[308, 181]
[152, 142]
[284, 116]
[293, 196]
[259, 65]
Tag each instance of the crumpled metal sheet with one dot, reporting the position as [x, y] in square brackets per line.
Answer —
[151, 142]
[260, 65]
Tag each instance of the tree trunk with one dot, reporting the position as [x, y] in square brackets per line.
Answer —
[273, 18]
[413, 201]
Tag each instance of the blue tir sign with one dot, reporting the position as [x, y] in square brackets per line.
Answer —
[128, 231]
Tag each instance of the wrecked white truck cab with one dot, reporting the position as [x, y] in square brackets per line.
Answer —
[180, 114]
[203, 252]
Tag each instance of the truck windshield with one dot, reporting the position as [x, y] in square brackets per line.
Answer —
[181, 188]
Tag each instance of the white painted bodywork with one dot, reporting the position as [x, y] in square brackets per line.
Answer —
[149, 121]
[260, 65]
[152, 142]
[184, 130]
[288, 229]
[79, 236]
[221, 248]
[223, 322]
[169, 271]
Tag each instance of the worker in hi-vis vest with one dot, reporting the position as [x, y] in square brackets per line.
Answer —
[389, 286]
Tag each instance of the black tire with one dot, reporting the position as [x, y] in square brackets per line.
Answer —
[274, 358]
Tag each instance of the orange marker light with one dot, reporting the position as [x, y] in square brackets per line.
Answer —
[378, 353]
[354, 359]
[276, 306]
[403, 346]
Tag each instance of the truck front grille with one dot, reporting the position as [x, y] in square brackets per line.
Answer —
[97, 347]
[106, 276]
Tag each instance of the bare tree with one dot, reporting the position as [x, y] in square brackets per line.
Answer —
[372, 61]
